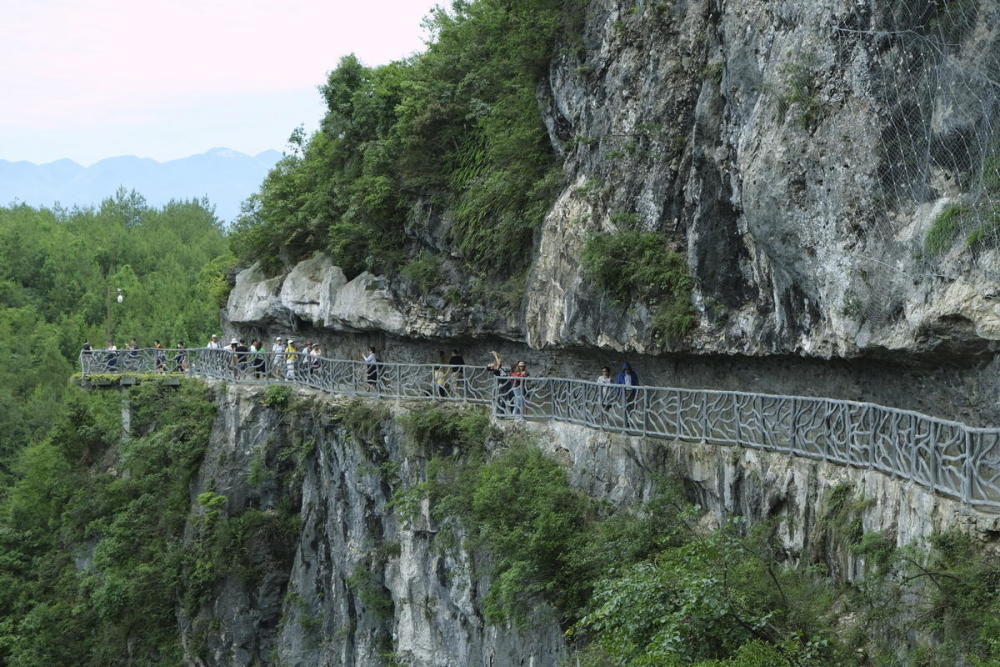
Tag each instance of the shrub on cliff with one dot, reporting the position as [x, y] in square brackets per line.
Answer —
[457, 130]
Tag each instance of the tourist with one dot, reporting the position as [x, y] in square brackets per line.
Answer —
[257, 358]
[604, 379]
[291, 356]
[111, 356]
[87, 355]
[159, 357]
[242, 355]
[213, 343]
[180, 358]
[518, 387]
[314, 359]
[371, 359]
[442, 376]
[234, 366]
[278, 357]
[503, 386]
[628, 378]
[132, 355]
[457, 362]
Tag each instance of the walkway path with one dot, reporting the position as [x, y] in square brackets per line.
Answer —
[948, 457]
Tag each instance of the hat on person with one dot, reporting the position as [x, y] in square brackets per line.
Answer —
[277, 338]
[215, 336]
[234, 342]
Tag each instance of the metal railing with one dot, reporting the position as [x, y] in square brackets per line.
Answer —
[948, 457]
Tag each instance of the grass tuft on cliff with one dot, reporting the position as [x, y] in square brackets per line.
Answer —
[634, 267]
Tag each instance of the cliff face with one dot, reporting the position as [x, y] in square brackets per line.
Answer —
[798, 154]
[365, 579]
[801, 156]
[363, 582]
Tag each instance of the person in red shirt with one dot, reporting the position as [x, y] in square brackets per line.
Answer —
[519, 387]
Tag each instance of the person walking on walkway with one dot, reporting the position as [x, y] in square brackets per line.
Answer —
[456, 361]
[291, 356]
[314, 361]
[628, 379]
[503, 387]
[278, 357]
[111, 356]
[371, 358]
[604, 392]
[87, 355]
[257, 358]
[519, 387]
[132, 355]
[180, 358]
[234, 366]
[442, 376]
[159, 357]
[213, 343]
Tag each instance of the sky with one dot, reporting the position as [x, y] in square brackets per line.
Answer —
[91, 79]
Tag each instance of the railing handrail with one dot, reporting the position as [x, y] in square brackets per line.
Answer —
[949, 457]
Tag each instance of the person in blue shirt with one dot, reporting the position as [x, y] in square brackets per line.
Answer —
[628, 379]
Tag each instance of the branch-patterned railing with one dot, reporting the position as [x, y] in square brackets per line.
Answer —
[948, 457]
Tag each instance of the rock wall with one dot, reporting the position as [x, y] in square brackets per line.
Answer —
[797, 151]
[365, 583]
[767, 141]
[368, 581]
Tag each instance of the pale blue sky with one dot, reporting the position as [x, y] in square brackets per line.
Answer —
[90, 79]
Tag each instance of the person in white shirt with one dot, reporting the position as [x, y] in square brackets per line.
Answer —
[604, 379]
[314, 359]
[278, 357]
[371, 359]
[213, 343]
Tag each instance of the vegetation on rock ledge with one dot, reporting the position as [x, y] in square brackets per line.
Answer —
[455, 132]
[634, 267]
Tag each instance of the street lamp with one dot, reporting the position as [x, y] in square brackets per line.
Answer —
[119, 298]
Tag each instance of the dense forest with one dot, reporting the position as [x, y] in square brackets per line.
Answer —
[60, 272]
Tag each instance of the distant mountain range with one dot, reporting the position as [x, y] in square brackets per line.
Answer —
[225, 176]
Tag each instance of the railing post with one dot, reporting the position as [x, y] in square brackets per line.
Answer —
[703, 414]
[736, 419]
[933, 440]
[645, 411]
[866, 415]
[680, 426]
[794, 427]
[969, 469]
[848, 430]
[494, 396]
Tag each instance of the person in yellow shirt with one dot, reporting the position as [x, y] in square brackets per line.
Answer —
[291, 356]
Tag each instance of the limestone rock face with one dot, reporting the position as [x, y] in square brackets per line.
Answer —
[254, 299]
[364, 578]
[311, 288]
[796, 153]
[789, 150]
[317, 293]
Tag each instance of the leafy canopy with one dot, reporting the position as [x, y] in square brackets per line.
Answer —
[454, 132]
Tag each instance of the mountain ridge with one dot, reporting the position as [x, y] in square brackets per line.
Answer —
[224, 176]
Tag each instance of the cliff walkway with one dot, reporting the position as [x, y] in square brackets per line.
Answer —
[947, 457]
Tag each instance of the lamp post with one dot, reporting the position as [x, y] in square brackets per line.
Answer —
[118, 298]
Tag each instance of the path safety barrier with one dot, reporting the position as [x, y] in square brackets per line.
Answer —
[947, 457]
